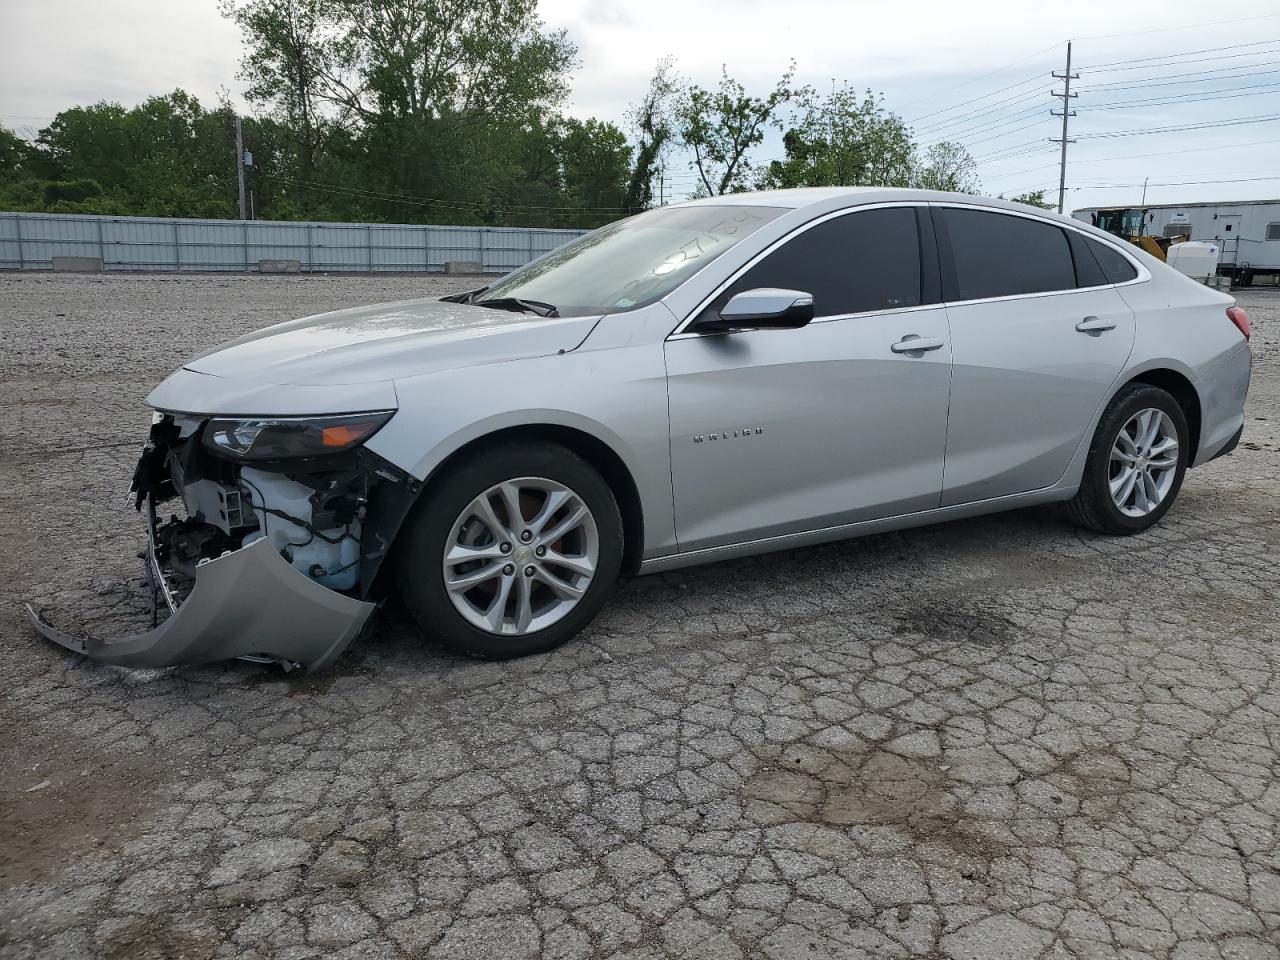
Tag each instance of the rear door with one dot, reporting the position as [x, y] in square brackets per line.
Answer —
[1039, 335]
[783, 431]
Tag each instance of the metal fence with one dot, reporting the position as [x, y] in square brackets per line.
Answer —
[30, 241]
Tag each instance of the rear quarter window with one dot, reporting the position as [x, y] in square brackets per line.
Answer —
[1115, 265]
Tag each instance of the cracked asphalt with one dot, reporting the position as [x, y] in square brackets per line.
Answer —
[1001, 738]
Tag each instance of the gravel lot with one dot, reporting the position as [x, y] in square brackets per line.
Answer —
[998, 738]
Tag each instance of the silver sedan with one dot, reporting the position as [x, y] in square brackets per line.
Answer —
[702, 381]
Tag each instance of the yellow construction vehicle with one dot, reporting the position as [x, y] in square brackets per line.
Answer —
[1128, 223]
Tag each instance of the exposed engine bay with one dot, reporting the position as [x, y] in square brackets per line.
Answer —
[290, 546]
[312, 510]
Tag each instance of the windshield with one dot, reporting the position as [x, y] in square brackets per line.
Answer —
[630, 263]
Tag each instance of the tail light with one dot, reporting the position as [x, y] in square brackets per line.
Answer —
[1240, 319]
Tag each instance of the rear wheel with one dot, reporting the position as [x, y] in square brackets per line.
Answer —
[513, 552]
[1136, 462]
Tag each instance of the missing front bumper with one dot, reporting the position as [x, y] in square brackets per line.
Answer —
[247, 603]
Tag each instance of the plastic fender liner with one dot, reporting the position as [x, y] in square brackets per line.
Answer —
[249, 602]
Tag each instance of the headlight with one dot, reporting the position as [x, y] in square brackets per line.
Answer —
[287, 438]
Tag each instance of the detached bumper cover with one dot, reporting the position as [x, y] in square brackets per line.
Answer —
[247, 603]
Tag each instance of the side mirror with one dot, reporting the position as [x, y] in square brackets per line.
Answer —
[766, 308]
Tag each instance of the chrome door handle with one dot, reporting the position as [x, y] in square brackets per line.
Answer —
[1095, 325]
[915, 344]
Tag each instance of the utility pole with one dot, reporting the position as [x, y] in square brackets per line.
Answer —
[662, 185]
[1144, 190]
[1066, 96]
[240, 164]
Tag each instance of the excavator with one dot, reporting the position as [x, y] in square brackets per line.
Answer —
[1128, 223]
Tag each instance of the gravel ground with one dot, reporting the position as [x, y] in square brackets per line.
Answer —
[998, 738]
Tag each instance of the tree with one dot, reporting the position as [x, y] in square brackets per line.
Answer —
[843, 139]
[1032, 198]
[652, 121]
[290, 56]
[15, 155]
[720, 126]
[594, 160]
[168, 156]
[947, 166]
[418, 109]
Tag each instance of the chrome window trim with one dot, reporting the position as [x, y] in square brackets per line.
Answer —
[1143, 273]
[682, 332]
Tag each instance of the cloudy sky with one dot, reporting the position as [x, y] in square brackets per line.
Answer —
[976, 72]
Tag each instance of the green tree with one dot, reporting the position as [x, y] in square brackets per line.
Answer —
[844, 139]
[412, 109]
[287, 64]
[722, 125]
[594, 161]
[16, 156]
[1032, 198]
[947, 166]
[652, 121]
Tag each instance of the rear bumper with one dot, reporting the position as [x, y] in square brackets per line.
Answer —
[246, 603]
[1222, 396]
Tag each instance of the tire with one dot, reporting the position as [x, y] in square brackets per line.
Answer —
[451, 514]
[1094, 505]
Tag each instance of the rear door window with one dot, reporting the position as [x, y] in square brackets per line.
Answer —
[998, 255]
[856, 263]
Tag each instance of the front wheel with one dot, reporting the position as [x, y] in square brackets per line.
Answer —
[1136, 462]
[513, 552]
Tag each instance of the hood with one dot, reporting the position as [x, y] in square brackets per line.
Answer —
[388, 341]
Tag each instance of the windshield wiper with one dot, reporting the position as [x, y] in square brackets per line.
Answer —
[520, 305]
[468, 297]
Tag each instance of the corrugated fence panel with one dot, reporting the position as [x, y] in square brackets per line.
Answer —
[10, 248]
[32, 240]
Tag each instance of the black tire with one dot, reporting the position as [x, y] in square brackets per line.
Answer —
[1092, 505]
[420, 550]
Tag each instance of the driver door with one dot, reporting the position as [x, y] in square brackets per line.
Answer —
[785, 431]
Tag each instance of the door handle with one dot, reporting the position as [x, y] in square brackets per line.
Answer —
[912, 343]
[1095, 325]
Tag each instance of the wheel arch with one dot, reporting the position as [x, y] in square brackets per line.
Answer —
[1169, 375]
[1182, 389]
[600, 455]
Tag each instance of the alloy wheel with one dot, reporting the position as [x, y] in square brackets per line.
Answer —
[1144, 462]
[521, 556]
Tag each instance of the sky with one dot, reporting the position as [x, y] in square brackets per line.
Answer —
[977, 72]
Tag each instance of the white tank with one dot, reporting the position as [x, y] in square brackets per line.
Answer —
[1195, 258]
[332, 559]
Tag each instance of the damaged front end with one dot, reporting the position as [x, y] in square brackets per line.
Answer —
[274, 556]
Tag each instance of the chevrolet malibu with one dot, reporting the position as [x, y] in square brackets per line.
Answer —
[702, 381]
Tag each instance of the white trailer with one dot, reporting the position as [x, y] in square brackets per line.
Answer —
[1247, 231]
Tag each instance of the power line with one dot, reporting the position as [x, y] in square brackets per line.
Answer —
[1183, 183]
[1037, 78]
[1179, 63]
[1266, 118]
[980, 117]
[989, 73]
[994, 125]
[1197, 76]
[1187, 26]
[1232, 93]
[1179, 151]
[426, 201]
[1184, 53]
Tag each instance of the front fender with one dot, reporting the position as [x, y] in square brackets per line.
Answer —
[617, 396]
